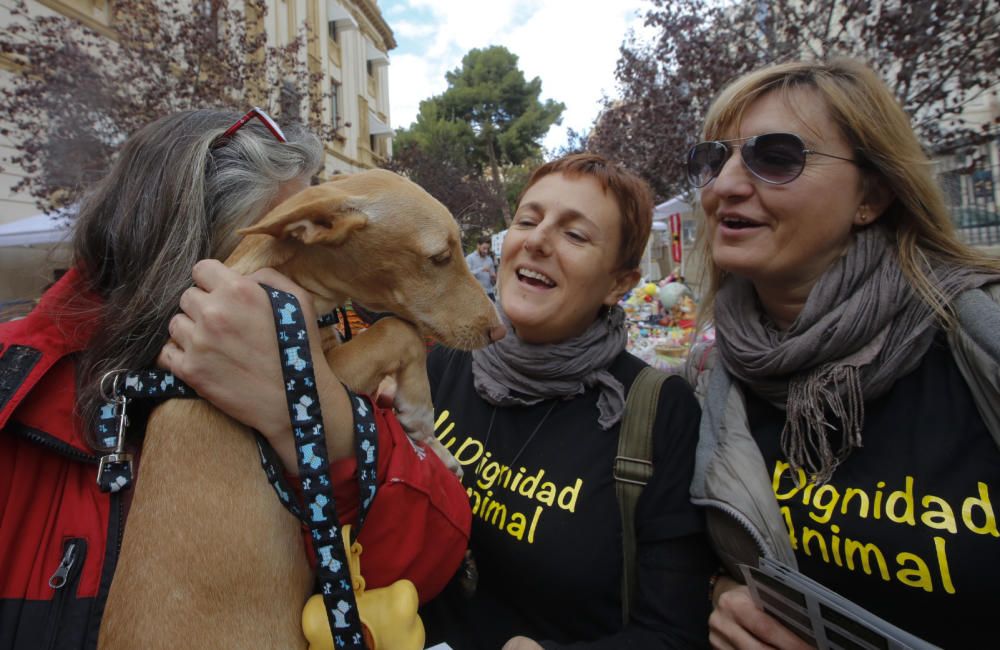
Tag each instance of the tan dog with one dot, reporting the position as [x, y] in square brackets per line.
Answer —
[210, 558]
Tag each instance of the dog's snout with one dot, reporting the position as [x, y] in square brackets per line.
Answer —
[497, 332]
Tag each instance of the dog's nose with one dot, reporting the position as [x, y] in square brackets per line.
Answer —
[497, 332]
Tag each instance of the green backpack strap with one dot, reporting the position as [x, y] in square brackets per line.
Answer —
[634, 467]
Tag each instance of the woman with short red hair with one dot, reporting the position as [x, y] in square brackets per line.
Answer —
[535, 420]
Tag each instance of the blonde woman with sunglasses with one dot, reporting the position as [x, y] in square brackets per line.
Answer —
[847, 417]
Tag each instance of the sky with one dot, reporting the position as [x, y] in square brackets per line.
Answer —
[572, 45]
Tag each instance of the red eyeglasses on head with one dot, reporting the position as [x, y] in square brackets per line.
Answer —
[271, 125]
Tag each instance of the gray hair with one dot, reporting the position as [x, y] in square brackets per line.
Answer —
[176, 194]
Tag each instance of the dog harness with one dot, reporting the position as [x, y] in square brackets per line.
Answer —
[317, 510]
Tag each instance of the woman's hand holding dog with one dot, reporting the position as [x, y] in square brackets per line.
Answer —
[223, 345]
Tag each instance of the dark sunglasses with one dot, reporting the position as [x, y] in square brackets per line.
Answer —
[254, 112]
[775, 158]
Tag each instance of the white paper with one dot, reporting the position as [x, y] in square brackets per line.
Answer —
[820, 616]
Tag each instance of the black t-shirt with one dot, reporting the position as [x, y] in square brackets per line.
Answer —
[907, 526]
[546, 530]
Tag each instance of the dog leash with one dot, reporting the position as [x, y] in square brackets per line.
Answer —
[115, 471]
[320, 515]
[310, 441]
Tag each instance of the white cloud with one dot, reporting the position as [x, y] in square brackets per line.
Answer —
[572, 45]
[411, 30]
[412, 79]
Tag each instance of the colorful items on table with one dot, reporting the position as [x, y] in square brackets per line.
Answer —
[662, 319]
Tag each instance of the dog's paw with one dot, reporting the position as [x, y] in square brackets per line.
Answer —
[446, 457]
[417, 421]
[453, 465]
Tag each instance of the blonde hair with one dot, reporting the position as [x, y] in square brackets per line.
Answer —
[878, 129]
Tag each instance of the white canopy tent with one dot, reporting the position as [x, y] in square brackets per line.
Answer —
[39, 230]
[657, 261]
[671, 206]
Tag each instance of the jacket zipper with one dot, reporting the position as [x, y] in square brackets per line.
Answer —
[63, 582]
[740, 519]
[49, 442]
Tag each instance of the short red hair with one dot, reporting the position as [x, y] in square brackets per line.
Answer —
[632, 194]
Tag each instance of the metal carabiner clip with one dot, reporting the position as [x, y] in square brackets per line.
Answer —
[119, 457]
[112, 395]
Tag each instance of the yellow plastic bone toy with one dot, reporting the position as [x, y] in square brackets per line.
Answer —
[388, 615]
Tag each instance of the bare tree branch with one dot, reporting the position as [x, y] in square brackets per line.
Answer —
[77, 94]
[935, 54]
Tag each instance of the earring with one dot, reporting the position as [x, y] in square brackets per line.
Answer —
[864, 217]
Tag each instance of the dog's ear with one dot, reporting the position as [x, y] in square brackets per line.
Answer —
[319, 214]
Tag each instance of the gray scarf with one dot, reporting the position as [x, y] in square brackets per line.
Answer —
[512, 372]
[861, 329]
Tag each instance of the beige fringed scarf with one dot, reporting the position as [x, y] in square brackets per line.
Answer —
[861, 329]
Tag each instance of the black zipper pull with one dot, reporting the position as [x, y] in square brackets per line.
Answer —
[58, 579]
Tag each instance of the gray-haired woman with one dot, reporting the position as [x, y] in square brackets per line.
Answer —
[177, 193]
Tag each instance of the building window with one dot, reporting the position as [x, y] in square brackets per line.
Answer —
[334, 102]
[371, 68]
[951, 185]
[290, 102]
[331, 30]
[982, 184]
[208, 10]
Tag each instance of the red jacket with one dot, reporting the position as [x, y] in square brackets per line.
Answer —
[60, 535]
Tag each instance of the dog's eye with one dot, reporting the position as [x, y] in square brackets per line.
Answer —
[441, 259]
